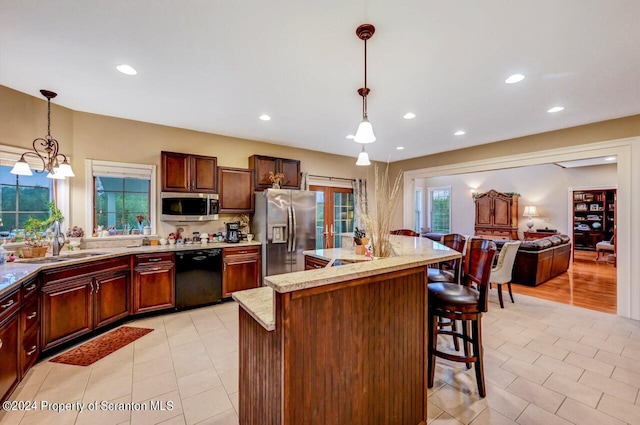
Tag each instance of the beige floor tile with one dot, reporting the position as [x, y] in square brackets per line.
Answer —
[536, 394]
[548, 349]
[626, 376]
[206, 405]
[61, 374]
[533, 373]
[226, 361]
[198, 382]
[109, 389]
[185, 366]
[600, 344]
[235, 401]
[562, 333]
[228, 317]
[504, 402]
[610, 386]
[575, 390]
[620, 409]
[101, 373]
[540, 335]
[228, 417]
[490, 341]
[212, 324]
[122, 355]
[513, 336]
[445, 419]
[490, 417]
[495, 357]
[597, 365]
[154, 386]
[559, 367]
[151, 368]
[49, 417]
[188, 350]
[587, 330]
[176, 420]
[464, 407]
[584, 415]
[534, 415]
[625, 342]
[518, 352]
[12, 417]
[577, 347]
[433, 412]
[144, 354]
[230, 379]
[181, 338]
[632, 353]
[498, 376]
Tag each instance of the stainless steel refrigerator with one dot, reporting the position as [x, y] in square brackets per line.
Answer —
[285, 223]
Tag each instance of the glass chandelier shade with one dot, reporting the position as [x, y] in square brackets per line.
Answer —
[365, 132]
[363, 158]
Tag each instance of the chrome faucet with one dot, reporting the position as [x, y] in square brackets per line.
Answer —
[56, 245]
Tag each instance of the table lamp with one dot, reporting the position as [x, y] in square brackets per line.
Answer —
[530, 211]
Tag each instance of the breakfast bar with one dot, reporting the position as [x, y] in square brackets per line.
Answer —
[339, 345]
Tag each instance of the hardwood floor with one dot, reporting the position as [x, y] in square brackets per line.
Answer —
[588, 283]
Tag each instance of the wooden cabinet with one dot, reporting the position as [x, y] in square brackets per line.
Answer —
[30, 313]
[496, 215]
[263, 164]
[182, 172]
[9, 330]
[236, 190]
[153, 282]
[79, 299]
[594, 217]
[241, 269]
[532, 236]
[312, 263]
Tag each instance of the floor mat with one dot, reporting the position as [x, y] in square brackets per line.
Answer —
[92, 351]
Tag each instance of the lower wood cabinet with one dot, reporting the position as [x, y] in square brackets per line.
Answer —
[9, 338]
[312, 263]
[79, 299]
[241, 269]
[154, 278]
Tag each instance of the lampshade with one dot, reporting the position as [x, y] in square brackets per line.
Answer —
[65, 170]
[21, 168]
[363, 158]
[530, 211]
[365, 132]
[55, 174]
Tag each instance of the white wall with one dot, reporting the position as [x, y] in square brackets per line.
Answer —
[544, 186]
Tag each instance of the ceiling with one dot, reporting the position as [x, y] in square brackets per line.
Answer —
[216, 66]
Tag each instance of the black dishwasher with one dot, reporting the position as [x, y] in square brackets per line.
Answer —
[198, 277]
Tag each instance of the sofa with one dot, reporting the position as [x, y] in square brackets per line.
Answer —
[536, 261]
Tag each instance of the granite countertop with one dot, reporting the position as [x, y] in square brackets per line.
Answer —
[14, 273]
[410, 252]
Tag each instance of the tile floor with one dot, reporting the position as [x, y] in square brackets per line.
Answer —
[545, 363]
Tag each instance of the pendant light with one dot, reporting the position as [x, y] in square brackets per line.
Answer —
[365, 129]
[363, 158]
[45, 150]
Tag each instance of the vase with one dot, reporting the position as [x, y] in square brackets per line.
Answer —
[34, 251]
[276, 185]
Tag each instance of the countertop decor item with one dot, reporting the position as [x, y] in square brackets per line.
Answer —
[45, 150]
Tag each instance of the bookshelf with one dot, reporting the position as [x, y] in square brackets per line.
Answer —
[594, 217]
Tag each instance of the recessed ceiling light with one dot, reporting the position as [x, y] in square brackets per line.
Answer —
[350, 136]
[399, 148]
[126, 69]
[610, 158]
[265, 117]
[409, 116]
[515, 78]
[460, 133]
[555, 109]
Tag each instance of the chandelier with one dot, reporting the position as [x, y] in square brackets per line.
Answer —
[46, 151]
[364, 134]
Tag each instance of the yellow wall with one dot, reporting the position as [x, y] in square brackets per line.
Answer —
[89, 136]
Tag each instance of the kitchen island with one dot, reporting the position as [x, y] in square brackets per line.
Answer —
[339, 345]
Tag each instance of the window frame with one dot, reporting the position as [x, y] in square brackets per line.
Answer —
[430, 206]
[119, 169]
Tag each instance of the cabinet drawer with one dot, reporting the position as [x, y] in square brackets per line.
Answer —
[30, 315]
[30, 289]
[502, 233]
[9, 304]
[311, 263]
[29, 350]
[238, 250]
[151, 259]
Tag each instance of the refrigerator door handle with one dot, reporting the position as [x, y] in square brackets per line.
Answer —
[289, 228]
[293, 229]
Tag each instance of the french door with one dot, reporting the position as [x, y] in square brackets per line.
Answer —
[335, 215]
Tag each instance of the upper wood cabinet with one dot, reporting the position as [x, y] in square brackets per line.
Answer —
[496, 215]
[182, 172]
[263, 164]
[236, 190]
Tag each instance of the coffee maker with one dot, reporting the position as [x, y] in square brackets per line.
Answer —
[233, 232]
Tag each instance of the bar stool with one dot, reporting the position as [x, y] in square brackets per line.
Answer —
[462, 302]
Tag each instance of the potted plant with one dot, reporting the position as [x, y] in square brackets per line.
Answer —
[35, 233]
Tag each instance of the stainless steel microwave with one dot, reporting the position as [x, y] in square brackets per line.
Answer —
[178, 206]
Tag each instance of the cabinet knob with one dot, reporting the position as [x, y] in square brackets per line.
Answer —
[33, 350]
[31, 287]
[32, 315]
[0, 342]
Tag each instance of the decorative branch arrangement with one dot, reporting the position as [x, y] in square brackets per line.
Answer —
[379, 221]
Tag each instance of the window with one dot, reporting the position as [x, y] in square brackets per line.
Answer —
[417, 215]
[122, 196]
[22, 197]
[440, 209]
